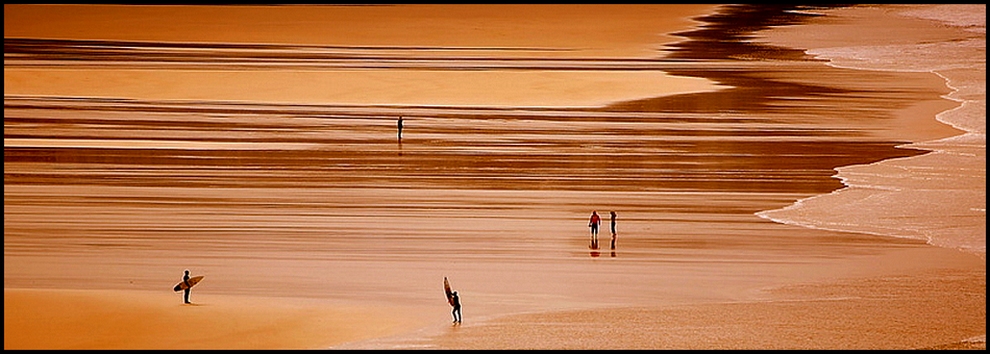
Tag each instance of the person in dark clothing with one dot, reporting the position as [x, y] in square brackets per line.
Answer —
[399, 126]
[185, 279]
[613, 229]
[457, 308]
[593, 224]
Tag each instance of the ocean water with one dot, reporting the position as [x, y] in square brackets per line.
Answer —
[133, 159]
[938, 197]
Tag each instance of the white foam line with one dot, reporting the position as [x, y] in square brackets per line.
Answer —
[914, 145]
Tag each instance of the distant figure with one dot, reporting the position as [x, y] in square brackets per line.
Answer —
[593, 224]
[613, 229]
[185, 279]
[456, 302]
[399, 125]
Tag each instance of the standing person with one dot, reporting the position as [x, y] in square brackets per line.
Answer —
[399, 126]
[185, 279]
[613, 229]
[456, 302]
[593, 224]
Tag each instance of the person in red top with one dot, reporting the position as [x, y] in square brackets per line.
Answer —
[593, 224]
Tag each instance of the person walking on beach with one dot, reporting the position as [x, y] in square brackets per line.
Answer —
[456, 302]
[398, 125]
[185, 295]
[593, 224]
[453, 299]
[613, 228]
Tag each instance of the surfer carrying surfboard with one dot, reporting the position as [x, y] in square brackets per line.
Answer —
[453, 300]
[457, 307]
[187, 283]
[185, 279]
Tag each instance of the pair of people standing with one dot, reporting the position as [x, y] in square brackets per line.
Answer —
[594, 223]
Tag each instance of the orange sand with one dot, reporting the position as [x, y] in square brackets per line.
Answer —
[124, 319]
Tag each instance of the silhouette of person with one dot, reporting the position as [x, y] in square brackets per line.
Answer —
[457, 307]
[185, 279]
[593, 224]
[399, 126]
[613, 229]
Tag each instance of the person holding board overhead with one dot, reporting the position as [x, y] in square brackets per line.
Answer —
[453, 300]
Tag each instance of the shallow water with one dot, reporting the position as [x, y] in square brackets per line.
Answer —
[938, 197]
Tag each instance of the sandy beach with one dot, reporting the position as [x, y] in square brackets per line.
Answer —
[801, 188]
[128, 319]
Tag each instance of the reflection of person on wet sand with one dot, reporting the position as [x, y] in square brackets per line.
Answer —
[593, 224]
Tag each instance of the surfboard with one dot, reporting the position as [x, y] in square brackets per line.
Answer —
[192, 282]
[446, 290]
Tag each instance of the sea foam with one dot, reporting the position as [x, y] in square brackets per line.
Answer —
[939, 197]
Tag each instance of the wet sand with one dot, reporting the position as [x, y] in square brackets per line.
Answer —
[855, 314]
[317, 229]
[128, 319]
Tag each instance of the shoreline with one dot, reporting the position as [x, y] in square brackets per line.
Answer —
[904, 181]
